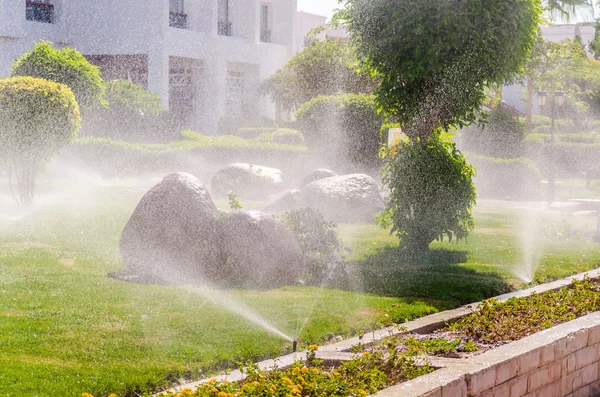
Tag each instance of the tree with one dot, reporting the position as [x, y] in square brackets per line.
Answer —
[66, 66]
[326, 67]
[434, 58]
[37, 118]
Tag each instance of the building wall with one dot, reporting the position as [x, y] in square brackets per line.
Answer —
[116, 31]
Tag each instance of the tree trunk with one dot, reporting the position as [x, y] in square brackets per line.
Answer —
[26, 183]
[529, 107]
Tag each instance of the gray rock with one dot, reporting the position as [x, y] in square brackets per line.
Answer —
[260, 252]
[172, 236]
[284, 201]
[247, 181]
[346, 198]
[320, 173]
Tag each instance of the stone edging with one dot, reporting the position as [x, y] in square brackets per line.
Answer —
[457, 377]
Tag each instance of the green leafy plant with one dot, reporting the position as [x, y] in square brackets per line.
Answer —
[502, 136]
[66, 66]
[517, 318]
[319, 243]
[435, 58]
[431, 192]
[288, 136]
[234, 203]
[37, 118]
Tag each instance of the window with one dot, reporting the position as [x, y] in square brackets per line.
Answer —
[40, 11]
[177, 16]
[265, 31]
[224, 28]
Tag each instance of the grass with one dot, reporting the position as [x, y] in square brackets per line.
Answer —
[66, 328]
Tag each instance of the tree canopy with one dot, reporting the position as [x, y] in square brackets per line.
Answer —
[326, 67]
[434, 58]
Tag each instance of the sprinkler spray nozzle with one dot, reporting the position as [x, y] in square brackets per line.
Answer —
[294, 345]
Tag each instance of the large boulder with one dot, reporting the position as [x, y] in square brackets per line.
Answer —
[172, 236]
[260, 252]
[317, 174]
[345, 198]
[287, 200]
[247, 181]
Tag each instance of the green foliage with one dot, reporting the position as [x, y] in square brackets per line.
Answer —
[434, 58]
[326, 67]
[38, 117]
[502, 136]
[319, 243]
[288, 136]
[441, 346]
[344, 128]
[234, 203]
[253, 132]
[375, 369]
[595, 44]
[519, 317]
[237, 125]
[498, 178]
[132, 114]
[431, 192]
[66, 66]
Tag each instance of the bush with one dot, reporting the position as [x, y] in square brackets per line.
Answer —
[502, 136]
[431, 192]
[517, 179]
[38, 117]
[132, 114]
[230, 125]
[319, 243]
[66, 66]
[344, 128]
[288, 136]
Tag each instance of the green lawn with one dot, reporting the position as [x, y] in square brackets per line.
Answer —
[66, 328]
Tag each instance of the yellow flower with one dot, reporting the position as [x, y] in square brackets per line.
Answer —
[313, 347]
[361, 391]
[365, 354]
[255, 383]
[287, 380]
[86, 395]
[112, 395]
[304, 370]
[212, 380]
[222, 394]
[296, 370]
[273, 388]
[316, 370]
[301, 379]
[214, 390]
[245, 386]
[229, 395]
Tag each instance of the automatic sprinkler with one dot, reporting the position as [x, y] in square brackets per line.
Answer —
[294, 345]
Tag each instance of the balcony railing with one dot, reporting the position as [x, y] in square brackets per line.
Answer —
[40, 12]
[265, 35]
[224, 28]
[178, 20]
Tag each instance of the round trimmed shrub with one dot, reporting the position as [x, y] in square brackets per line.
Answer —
[431, 192]
[38, 117]
[66, 66]
[288, 136]
[343, 128]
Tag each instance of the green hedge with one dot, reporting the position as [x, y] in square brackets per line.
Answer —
[568, 159]
[517, 178]
[120, 158]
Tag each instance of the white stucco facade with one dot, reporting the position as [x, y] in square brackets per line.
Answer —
[204, 58]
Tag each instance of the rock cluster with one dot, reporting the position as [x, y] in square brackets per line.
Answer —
[176, 235]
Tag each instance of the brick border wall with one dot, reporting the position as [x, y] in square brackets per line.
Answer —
[563, 361]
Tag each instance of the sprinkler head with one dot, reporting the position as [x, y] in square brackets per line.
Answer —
[294, 346]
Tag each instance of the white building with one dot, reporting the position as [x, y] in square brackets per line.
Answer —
[306, 22]
[204, 58]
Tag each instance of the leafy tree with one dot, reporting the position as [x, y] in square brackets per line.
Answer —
[66, 66]
[501, 136]
[434, 58]
[326, 67]
[38, 117]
